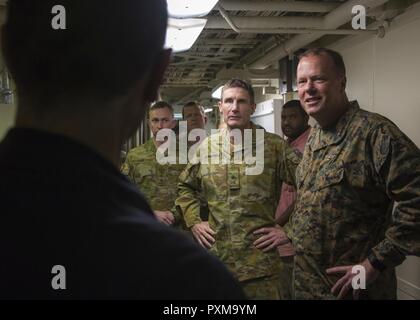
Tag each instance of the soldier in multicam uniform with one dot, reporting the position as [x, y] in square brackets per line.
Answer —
[156, 181]
[355, 165]
[159, 182]
[241, 230]
[196, 118]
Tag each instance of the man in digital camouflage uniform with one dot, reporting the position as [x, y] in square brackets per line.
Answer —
[355, 165]
[241, 229]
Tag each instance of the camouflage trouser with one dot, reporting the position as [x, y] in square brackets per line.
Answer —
[311, 283]
[286, 278]
[265, 288]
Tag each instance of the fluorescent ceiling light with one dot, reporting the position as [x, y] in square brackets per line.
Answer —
[208, 110]
[182, 33]
[190, 8]
[217, 94]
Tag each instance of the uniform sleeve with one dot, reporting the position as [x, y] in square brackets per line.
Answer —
[127, 168]
[188, 201]
[396, 161]
[177, 215]
[288, 164]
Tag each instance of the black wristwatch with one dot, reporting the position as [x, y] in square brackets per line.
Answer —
[374, 261]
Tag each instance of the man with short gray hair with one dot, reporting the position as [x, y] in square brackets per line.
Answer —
[241, 229]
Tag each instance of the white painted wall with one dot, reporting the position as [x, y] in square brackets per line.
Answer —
[268, 115]
[384, 76]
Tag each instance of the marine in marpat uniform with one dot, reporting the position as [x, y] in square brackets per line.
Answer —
[355, 166]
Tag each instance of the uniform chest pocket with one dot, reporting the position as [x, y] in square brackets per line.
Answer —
[166, 180]
[352, 174]
[329, 176]
[356, 174]
[301, 173]
[144, 173]
[172, 172]
[214, 182]
[259, 187]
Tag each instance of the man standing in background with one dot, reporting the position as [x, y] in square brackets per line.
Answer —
[158, 182]
[294, 125]
[193, 113]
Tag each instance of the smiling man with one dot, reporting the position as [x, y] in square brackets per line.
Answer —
[355, 166]
[241, 229]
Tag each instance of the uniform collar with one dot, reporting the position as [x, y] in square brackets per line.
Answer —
[226, 138]
[301, 139]
[150, 145]
[326, 137]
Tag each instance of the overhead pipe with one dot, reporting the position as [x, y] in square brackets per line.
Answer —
[225, 74]
[218, 41]
[277, 30]
[295, 6]
[216, 22]
[334, 19]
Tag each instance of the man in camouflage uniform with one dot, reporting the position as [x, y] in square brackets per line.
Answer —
[158, 182]
[193, 113]
[241, 206]
[355, 165]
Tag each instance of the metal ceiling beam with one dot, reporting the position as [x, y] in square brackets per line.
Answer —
[192, 68]
[200, 67]
[219, 61]
[226, 41]
[292, 6]
[226, 74]
[305, 30]
[191, 95]
[209, 60]
[199, 55]
[189, 76]
[263, 47]
[229, 46]
[334, 19]
[183, 85]
[216, 22]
